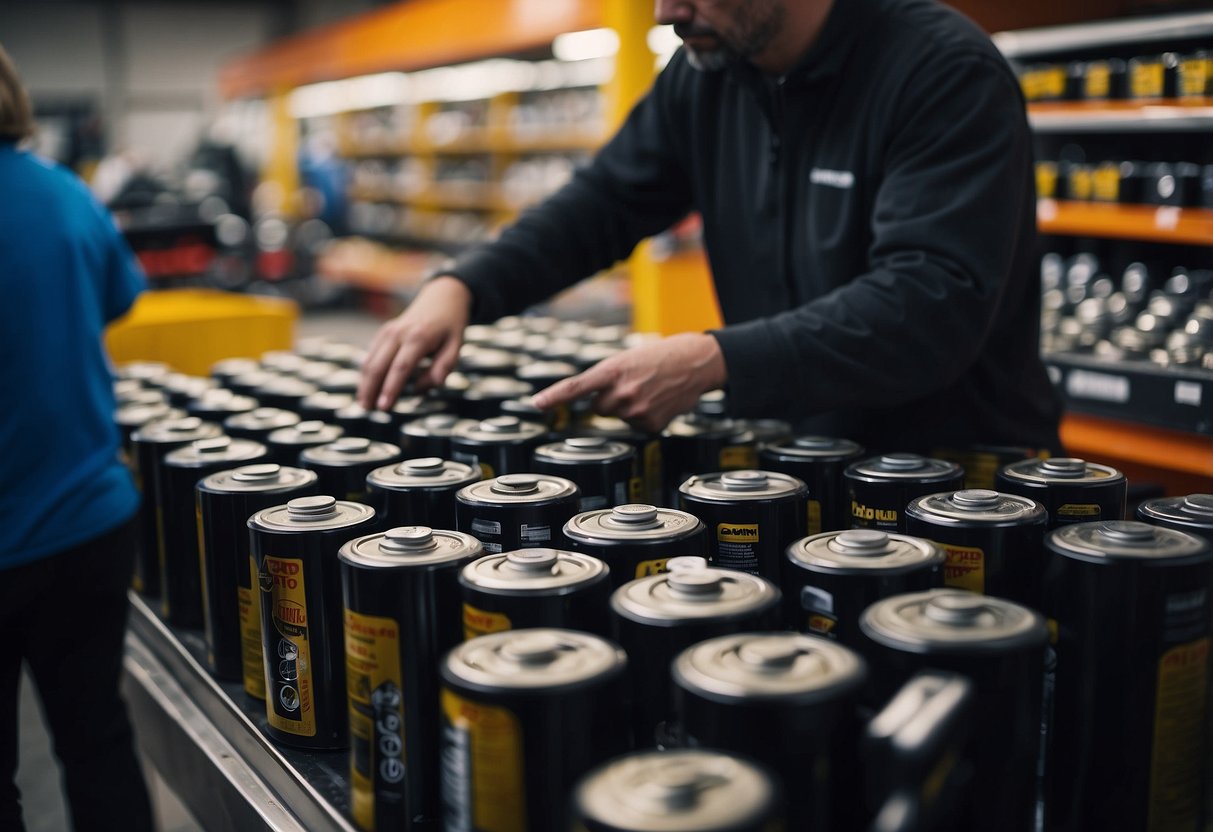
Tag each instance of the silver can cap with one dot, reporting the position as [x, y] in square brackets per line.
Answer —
[729, 486]
[306, 433]
[579, 449]
[953, 621]
[497, 387]
[180, 431]
[977, 506]
[784, 667]
[633, 522]
[527, 570]
[264, 477]
[350, 450]
[1194, 510]
[816, 447]
[316, 370]
[1061, 470]
[424, 472]
[262, 418]
[223, 400]
[282, 361]
[405, 547]
[436, 424]
[899, 466]
[286, 386]
[696, 426]
[539, 658]
[690, 593]
[137, 415]
[308, 514]
[418, 406]
[499, 430]
[213, 450]
[342, 381]
[545, 370]
[151, 371]
[233, 366]
[340, 353]
[864, 550]
[1112, 540]
[326, 401]
[514, 489]
[353, 410]
[677, 790]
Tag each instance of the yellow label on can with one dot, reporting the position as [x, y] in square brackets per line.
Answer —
[482, 767]
[486, 471]
[737, 546]
[636, 490]
[1079, 510]
[206, 607]
[1053, 81]
[1046, 180]
[1105, 182]
[650, 567]
[867, 517]
[478, 622]
[1146, 79]
[964, 567]
[736, 457]
[1177, 759]
[814, 512]
[1080, 182]
[822, 625]
[290, 691]
[1097, 83]
[373, 683]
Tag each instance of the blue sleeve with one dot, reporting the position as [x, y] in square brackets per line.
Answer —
[123, 278]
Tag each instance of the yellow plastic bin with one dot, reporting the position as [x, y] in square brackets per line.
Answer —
[191, 329]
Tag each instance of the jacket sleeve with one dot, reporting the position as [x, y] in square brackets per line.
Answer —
[945, 224]
[634, 187]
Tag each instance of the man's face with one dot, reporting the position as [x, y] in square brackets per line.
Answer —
[715, 31]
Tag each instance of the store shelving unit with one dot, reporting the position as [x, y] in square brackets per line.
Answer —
[1154, 223]
[1155, 422]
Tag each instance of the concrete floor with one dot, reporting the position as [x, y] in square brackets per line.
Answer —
[38, 778]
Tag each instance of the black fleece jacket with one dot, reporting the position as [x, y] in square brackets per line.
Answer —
[869, 221]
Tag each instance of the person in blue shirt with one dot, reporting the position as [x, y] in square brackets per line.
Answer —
[67, 502]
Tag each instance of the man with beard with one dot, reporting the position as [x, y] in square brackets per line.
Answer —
[864, 173]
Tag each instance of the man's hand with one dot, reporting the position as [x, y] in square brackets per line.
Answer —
[647, 385]
[431, 326]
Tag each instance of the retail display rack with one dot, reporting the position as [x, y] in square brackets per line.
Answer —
[1122, 112]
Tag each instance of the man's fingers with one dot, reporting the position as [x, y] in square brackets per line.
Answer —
[374, 367]
[444, 361]
[402, 365]
[596, 378]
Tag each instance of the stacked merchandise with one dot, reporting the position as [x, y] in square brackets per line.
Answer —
[517, 623]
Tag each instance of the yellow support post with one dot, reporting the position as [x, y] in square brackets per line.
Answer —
[281, 171]
[673, 294]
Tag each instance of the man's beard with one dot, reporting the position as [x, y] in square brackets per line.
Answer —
[749, 37]
[712, 61]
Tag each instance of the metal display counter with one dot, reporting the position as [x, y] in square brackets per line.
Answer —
[205, 740]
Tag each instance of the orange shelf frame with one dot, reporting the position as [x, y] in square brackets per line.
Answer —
[408, 35]
[1183, 106]
[1165, 223]
[1183, 462]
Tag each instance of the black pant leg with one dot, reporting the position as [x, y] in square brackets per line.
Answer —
[10, 699]
[74, 651]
